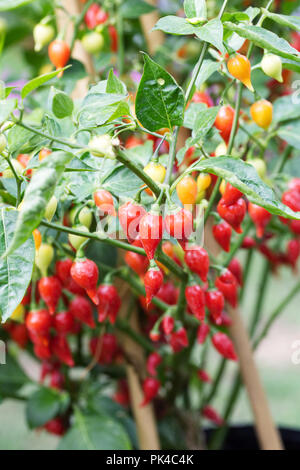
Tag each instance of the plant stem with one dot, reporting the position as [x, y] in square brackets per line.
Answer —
[18, 181]
[78, 22]
[122, 157]
[282, 161]
[172, 155]
[196, 72]
[238, 243]
[123, 326]
[49, 137]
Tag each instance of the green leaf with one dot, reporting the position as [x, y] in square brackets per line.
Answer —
[98, 108]
[97, 432]
[12, 377]
[292, 22]
[122, 182]
[207, 69]
[175, 25]
[16, 269]
[243, 176]
[62, 105]
[159, 99]
[6, 108]
[192, 113]
[38, 81]
[195, 9]
[212, 32]
[237, 16]
[114, 84]
[44, 405]
[265, 39]
[204, 122]
[286, 108]
[135, 8]
[12, 4]
[37, 195]
[105, 405]
[291, 133]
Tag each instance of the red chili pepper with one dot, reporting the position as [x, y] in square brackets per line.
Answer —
[215, 303]
[222, 234]
[81, 309]
[106, 348]
[153, 281]
[197, 260]
[95, 16]
[204, 376]
[293, 252]
[151, 231]
[224, 346]
[39, 322]
[130, 215]
[154, 336]
[153, 361]
[74, 288]
[42, 351]
[19, 335]
[61, 349]
[179, 224]
[179, 339]
[151, 387]
[122, 394]
[210, 413]
[224, 122]
[231, 194]
[63, 322]
[105, 202]
[202, 333]
[138, 263]
[55, 426]
[168, 293]
[195, 298]
[85, 273]
[59, 53]
[233, 214]
[227, 284]
[63, 270]
[260, 216]
[109, 303]
[248, 243]
[57, 380]
[113, 38]
[236, 269]
[167, 324]
[50, 291]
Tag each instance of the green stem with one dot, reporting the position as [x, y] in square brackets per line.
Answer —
[49, 137]
[122, 157]
[172, 155]
[282, 161]
[196, 72]
[123, 326]
[79, 21]
[238, 243]
[18, 181]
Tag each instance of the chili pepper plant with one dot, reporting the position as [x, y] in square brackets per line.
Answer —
[141, 202]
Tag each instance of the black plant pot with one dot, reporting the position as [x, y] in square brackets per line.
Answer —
[244, 438]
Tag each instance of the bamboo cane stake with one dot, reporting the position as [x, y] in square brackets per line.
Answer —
[73, 7]
[136, 371]
[267, 432]
[154, 39]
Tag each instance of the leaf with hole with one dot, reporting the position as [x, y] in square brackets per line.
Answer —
[159, 100]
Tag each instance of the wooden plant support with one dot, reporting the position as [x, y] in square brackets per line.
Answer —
[267, 432]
